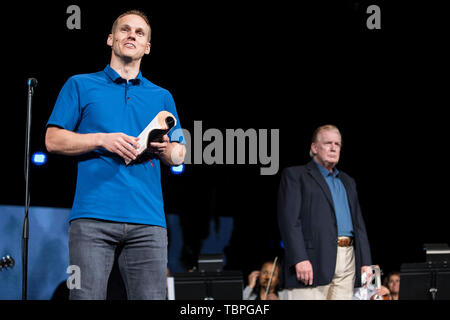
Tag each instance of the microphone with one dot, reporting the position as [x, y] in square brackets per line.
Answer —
[32, 82]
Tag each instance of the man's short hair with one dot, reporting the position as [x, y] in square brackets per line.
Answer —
[315, 135]
[135, 12]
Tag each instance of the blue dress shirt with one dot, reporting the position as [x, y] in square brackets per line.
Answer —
[340, 201]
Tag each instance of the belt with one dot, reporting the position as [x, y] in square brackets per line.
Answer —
[345, 241]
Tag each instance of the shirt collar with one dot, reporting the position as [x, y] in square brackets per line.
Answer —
[325, 172]
[115, 77]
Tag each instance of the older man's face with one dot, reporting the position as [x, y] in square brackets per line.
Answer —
[327, 148]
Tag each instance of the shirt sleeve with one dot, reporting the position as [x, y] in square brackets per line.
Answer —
[247, 294]
[67, 111]
[176, 134]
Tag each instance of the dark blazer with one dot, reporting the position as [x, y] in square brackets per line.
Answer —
[308, 225]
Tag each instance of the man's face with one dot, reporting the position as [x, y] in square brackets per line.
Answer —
[130, 39]
[265, 273]
[327, 148]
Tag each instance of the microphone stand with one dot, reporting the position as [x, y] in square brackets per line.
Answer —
[25, 230]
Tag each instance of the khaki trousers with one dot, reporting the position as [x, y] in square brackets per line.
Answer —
[340, 287]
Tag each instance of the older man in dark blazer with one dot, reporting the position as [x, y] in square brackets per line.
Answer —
[325, 239]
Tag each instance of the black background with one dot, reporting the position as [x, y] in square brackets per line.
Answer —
[259, 65]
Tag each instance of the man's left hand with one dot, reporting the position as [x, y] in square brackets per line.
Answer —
[366, 269]
[160, 147]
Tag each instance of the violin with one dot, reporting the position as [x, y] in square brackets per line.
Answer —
[271, 276]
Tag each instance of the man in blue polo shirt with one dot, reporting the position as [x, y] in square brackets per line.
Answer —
[118, 209]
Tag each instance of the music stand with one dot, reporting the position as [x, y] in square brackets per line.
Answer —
[210, 262]
[424, 281]
[223, 285]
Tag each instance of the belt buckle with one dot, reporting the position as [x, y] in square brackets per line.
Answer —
[344, 241]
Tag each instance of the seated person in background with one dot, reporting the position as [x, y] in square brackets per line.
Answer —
[392, 282]
[258, 281]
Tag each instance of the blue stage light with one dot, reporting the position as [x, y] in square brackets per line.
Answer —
[177, 169]
[39, 158]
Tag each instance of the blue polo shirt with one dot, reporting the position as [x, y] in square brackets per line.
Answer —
[106, 188]
[340, 201]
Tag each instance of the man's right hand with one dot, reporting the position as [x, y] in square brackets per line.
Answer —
[121, 144]
[252, 279]
[69, 143]
[304, 272]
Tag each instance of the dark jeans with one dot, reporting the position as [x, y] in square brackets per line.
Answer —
[142, 258]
